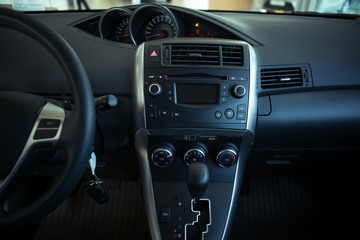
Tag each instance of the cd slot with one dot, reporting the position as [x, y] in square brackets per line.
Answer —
[196, 77]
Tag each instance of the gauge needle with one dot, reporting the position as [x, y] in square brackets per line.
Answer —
[155, 35]
[120, 36]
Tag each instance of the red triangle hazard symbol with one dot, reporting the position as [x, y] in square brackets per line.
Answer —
[153, 54]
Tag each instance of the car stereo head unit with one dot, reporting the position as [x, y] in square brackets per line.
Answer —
[185, 87]
[193, 101]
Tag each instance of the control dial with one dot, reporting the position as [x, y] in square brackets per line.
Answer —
[239, 91]
[163, 155]
[195, 153]
[226, 156]
[155, 89]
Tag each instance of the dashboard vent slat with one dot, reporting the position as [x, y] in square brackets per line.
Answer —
[206, 54]
[281, 77]
[232, 55]
[195, 54]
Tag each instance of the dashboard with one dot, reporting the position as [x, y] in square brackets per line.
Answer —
[240, 92]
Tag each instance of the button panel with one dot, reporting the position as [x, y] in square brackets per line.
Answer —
[163, 111]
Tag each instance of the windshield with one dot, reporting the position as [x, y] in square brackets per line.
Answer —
[289, 6]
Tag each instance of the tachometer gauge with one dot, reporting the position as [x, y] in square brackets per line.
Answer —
[159, 27]
[122, 31]
[114, 25]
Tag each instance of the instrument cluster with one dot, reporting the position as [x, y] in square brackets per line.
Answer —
[152, 21]
[146, 23]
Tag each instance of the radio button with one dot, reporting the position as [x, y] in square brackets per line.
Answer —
[176, 114]
[224, 93]
[241, 108]
[151, 110]
[224, 87]
[239, 91]
[155, 89]
[164, 112]
[240, 116]
[223, 99]
[218, 115]
[229, 113]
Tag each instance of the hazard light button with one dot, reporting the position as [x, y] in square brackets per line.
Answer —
[154, 54]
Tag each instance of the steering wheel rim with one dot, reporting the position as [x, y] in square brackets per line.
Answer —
[78, 130]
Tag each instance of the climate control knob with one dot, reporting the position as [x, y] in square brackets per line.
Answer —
[226, 156]
[239, 91]
[195, 153]
[163, 155]
[155, 89]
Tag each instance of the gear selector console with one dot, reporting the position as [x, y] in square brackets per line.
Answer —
[195, 123]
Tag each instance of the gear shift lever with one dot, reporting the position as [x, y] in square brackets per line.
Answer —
[197, 179]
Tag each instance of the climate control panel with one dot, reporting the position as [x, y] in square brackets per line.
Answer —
[225, 155]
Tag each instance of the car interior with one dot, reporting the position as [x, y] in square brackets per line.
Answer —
[155, 120]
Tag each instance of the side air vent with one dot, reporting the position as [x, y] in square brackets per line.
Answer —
[195, 54]
[232, 55]
[205, 54]
[281, 77]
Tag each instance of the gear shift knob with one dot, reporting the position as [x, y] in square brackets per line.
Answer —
[197, 179]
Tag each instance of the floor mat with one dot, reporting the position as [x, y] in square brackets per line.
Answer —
[280, 207]
[80, 217]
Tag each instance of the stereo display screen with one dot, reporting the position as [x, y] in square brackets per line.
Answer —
[197, 93]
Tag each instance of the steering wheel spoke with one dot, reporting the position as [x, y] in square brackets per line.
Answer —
[32, 129]
[39, 147]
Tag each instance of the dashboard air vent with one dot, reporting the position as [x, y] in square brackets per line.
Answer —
[195, 54]
[232, 55]
[206, 54]
[281, 77]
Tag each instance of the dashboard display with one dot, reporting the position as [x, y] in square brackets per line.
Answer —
[197, 93]
[199, 30]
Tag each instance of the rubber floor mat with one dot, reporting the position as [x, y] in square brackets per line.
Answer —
[80, 217]
[279, 207]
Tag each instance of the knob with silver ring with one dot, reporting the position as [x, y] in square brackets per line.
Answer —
[163, 155]
[239, 91]
[226, 156]
[195, 153]
[155, 89]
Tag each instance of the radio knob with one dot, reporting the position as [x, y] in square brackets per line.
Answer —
[195, 153]
[155, 89]
[226, 156]
[239, 91]
[163, 155]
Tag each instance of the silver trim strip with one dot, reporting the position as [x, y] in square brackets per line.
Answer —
[141, 144]
[232, 200]
[253, 98]
[49, 111]
[197, 218]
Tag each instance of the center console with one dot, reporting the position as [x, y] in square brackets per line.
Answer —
[195, 108]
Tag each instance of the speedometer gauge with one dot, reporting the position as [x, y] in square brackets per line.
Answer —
[151, 22]
[159, 27]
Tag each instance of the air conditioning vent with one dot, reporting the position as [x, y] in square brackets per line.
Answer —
[206, 54]
[198, 54]
[232, 55]
[281, 77]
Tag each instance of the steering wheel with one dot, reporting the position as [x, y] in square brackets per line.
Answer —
[33, 130]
